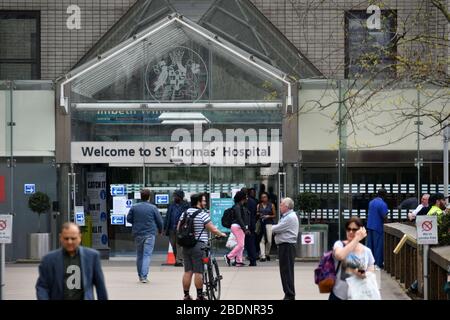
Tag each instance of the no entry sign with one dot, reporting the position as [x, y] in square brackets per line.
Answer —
[427, 229]
[5, 228]
[307, 238]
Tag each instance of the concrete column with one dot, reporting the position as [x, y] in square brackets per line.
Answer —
[291, 143]
[291, 180]
[63, 193]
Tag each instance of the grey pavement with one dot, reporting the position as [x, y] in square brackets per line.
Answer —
[251, 283]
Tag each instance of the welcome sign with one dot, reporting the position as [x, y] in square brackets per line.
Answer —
[216, 153]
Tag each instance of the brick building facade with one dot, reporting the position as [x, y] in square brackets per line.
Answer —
[317, 29]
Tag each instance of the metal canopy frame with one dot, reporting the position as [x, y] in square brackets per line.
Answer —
[238, 21]
[239, 54]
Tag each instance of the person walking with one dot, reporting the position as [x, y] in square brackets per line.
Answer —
[377, 213]
[146, 220]
[250, 238]
[346, 253]
[71, 272]
[266, 215]
[193, 256]
[174, 212]
[239, 228]
[286, 234]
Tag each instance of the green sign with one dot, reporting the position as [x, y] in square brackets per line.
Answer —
[218, 206]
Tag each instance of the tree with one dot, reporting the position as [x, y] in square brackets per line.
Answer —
[39, 202]
[308, 202]
[416, 56]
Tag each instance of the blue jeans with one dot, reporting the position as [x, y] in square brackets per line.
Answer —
[144, 250]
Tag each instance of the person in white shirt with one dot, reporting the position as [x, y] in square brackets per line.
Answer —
[286, 233]
[423, 204]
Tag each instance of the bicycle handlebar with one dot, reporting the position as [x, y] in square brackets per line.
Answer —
[215, 237]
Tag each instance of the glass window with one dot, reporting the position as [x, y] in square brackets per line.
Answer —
[370, 53]
[136, 125]
[243, 25]
[175, 64]
[20, 48]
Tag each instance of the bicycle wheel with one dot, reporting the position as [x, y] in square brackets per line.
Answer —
[214, 281]
[206, 281]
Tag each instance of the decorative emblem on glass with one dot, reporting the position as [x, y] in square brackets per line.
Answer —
[179, 74]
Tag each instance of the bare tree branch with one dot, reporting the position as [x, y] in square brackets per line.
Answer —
[442, 7]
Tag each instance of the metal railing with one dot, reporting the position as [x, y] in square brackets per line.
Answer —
[403, 259]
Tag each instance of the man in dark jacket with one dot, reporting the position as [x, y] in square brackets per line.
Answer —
[146, 219]
[70, 273]
[174, 212]
[250, 238]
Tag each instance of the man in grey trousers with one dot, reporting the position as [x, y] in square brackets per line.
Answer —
[286, 233]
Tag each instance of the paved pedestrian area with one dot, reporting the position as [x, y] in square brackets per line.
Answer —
[249, 283]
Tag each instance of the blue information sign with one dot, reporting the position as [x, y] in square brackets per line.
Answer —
[117, 190]
[162, 199]
[218, 206]
[117, 219]
[79, 218]
[29, 188]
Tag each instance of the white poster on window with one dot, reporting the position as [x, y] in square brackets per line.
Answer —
[120, 204]
[96, 192]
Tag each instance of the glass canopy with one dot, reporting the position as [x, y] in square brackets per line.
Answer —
[237, 21]
[175, 60]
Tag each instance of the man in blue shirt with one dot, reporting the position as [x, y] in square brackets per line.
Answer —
[375, 225]
[174, 212]
[146, 220]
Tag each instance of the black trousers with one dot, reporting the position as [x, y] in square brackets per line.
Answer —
[250, 246]
[286, 257]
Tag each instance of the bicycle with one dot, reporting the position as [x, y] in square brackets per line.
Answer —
[211, 273]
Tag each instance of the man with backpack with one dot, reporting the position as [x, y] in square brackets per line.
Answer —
[174, 212]
[192, 235]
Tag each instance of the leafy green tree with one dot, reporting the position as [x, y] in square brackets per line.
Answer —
[308, 202]
[39, 202]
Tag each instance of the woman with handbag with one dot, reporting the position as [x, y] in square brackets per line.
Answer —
[356, 260]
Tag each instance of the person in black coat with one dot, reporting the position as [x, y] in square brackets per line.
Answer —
[250, 237]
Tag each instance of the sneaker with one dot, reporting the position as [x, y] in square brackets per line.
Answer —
[202, 297]
[262, 260]
[268, 258]
[143, 280]
[240, 264]
[187, 297]
[178, 264]
[414, 287]
[227, 260]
